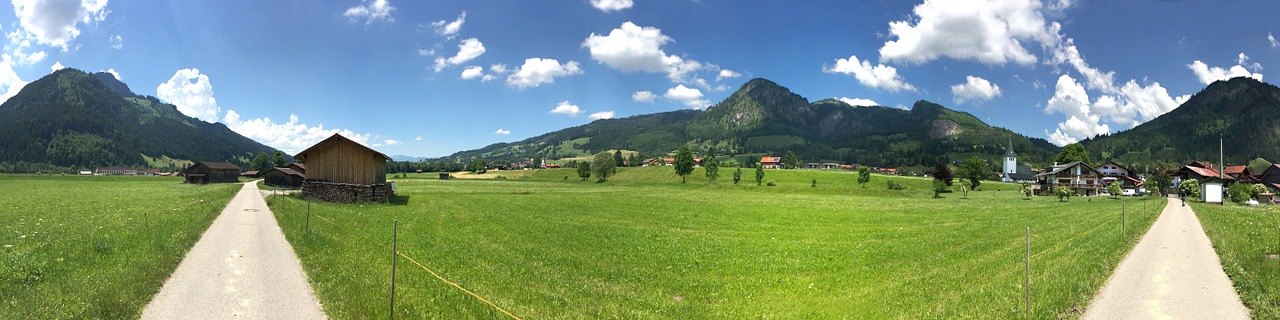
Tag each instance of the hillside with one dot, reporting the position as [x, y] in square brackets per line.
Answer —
[1244, 111]
[763, 117]
[74, 119]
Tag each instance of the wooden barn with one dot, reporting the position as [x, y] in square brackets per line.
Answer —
[341, 170]
[212, 172]
[283, 177]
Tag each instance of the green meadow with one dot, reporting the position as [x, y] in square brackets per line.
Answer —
[1244, 237]
[642, 245]
[95, 247]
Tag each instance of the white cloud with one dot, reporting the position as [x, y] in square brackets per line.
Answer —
[537, 71]
[291, 137]
[1071, 100]
[502, 132]
[988, 31]
[611, 5]
[10, 83]
[601, 115]
[116, 42]
[419, 138]
[468, 49]
[643, 96]
[192, 93]
[472, 72]
[878, 77]
[1208, 74]
[975, 89]
[115, 74]
[426, 52]
[727, 74]
[1272, 40]
[391, 142]
[566, 109]
[498, 68]
[1095, 79]
[450, 29]
[632, 48]
[57, 65]
[370, 11]
[689, 96]
[56, 23]
[858, 102]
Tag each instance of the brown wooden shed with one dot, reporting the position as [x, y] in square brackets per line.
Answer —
[283, 177]
[341, 170]
[212, 172]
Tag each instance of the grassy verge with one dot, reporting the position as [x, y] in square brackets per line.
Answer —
[645, 246]
[1243, 237]
[95, 247]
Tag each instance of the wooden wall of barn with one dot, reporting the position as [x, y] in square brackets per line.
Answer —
[341, 162]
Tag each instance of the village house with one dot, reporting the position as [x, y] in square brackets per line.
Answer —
[1077, 176]
[771, 162]
[283, 177]
[251, 174]
[1113, 172]
[1240, 173]
[123, 171]
[211, 172]
[341, 170]
[1271, 177]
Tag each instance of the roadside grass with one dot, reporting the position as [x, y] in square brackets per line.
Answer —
[1243, 237]
[645, 246]
[96, 247]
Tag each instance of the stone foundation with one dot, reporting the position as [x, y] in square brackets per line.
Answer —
[347, 192]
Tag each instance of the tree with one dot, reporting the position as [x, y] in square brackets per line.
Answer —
[1027, 191]
[864, 176]
[759, 174]
[478, 166]
[261, 162]
[938, 188]
[1114, 189]
[584, 170]
[632, 161]
[942, 172]
[684, 162]
[710, 165]
[604, 165]
[790, 161]
[278, 160]
[974, 170]
[1072, 153]
[1064, 194]
[1158, 183]
[537, 162]
[1240, 192]
[617, 159]
[737, 176]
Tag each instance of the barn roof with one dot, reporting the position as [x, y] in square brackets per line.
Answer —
[338, 137]
[220, 165]
[286, 171]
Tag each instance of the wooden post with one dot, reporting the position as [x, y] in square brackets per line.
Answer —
[393, 268]
[1027, 285]
[308, 215]
[1122, 233]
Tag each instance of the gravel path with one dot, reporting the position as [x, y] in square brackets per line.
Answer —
[242, 267]
[1173, 273]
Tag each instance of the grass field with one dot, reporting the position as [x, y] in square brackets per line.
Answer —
[1243, 237]
[645, 246]
[95, 247]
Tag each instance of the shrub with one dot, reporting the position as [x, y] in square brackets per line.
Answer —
[1190, 188]
[1028, 192]
[500, 177]
[1258, 189]
[939, 187]
[1064, 194]
[892, 185]
[1240, 192]
[815, 183]
[770, 183]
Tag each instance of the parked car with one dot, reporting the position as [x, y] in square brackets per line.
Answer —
[1129, 192]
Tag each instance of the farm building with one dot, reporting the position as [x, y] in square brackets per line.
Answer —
[341, 170]
[1078, 176]
[1271, 177]
[251, 174]
[771, 162]
[283, 177]
[123, 171]
[212, 172]
[300, 168]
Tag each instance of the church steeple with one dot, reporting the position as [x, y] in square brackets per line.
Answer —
[1008, 151]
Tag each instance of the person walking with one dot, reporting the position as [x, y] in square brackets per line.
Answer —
[1183, 196]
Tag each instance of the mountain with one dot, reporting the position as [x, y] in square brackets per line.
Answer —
[72, 119]
[764, 118]
[1244, 111]
[401, 157]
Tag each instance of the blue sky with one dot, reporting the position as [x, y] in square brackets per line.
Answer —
[428, 78]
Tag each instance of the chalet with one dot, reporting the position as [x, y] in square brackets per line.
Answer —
[668, 161]
[341, 170]
[212, 172]
[1240, 173]
[1078, 176]
[1271, 177]
[283, 177]
[1199, 173]
[1114, 172]
[771, 162]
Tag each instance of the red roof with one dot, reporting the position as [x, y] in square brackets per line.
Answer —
[1204, 172]
[771, 160]
[1231, 170]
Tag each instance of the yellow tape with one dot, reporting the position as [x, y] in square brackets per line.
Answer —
[458, 286]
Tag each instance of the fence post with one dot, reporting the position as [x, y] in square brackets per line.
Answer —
[1122, 216]
[1027, 285]
[394, 225]
[308, 215]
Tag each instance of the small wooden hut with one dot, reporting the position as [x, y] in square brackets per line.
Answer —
[283, 177]
[341, 170]
[212, 172]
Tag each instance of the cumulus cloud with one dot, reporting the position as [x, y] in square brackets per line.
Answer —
[632, 48]
[601, 115]
[370, 11]
[55, 23]
[727, 74]
[975, 89]
[1208, 74]
[1070, 99]
[858, 102]
[449, 29]
[1272, 39]
[10, 83]
[689, 96]
[643, 96]
[472, 72]
[502, 132]
[192, 93]
[292, 136]
[566, 109]
[468, 49]
[987, 31]
[538, 71]
[611, 5]
[878, 77]
[116, 42]
[57, 65]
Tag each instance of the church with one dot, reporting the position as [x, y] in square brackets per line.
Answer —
[1012, 172]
